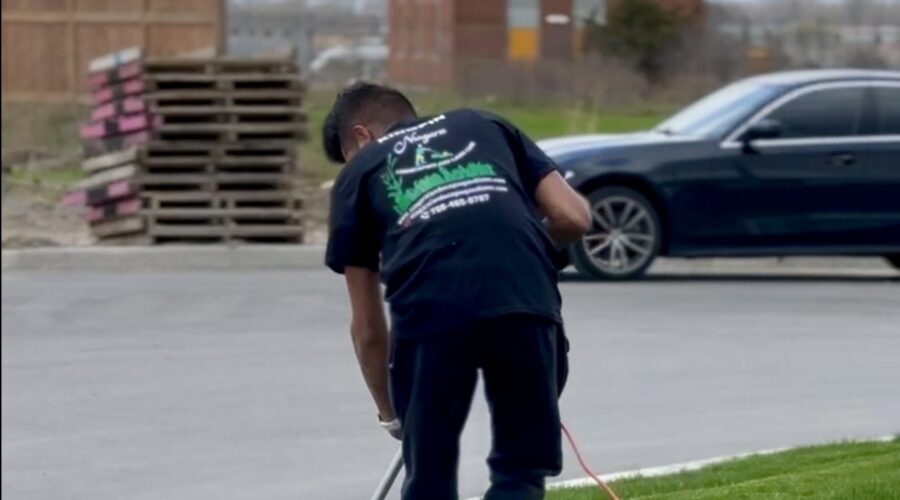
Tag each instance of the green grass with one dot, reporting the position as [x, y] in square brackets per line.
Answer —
[57, 179]
[50, 129]
[541, 122]
[846, 471]
[538, 121]
[42, 133]
[53, 129]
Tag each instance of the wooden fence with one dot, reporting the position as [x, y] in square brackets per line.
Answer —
[47, 44]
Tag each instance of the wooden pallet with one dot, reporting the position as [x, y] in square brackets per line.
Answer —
[213, 97]
[159, 148]
[220, 65]
[118, 227]
[214, 182]
[285, 170]
[230, 132]
[260, 146]
[143, 229]
[281, 199]
[158, 153]
[249, 115]
[228, 82]
[226, 97]
[189, 233]
[173, 162]
[248, 142]
[219, 215]
[192, 150]
[192, 162]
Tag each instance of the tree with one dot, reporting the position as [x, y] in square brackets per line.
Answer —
[640, 32]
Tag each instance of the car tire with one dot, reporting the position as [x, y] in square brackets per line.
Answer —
[893, 260]
[625, 238]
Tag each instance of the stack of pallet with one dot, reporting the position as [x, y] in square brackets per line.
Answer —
[192, 150]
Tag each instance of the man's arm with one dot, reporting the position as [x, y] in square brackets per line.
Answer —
[369, 330]
[568, 213]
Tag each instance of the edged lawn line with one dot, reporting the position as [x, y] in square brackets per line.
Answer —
[836, 481]
[847, 471]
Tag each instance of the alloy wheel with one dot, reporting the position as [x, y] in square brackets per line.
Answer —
[623, 236]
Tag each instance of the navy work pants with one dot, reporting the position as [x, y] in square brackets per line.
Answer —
[523, 360]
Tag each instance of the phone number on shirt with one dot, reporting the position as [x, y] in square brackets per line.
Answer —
[457, 203]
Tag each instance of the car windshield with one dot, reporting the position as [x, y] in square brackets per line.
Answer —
[718, 113]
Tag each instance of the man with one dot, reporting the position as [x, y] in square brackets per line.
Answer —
[447, 212]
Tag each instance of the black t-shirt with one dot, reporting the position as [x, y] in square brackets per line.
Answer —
[444, 209]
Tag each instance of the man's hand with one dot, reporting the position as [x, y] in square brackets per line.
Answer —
[392, 427]
[568, 214]
[368, 328]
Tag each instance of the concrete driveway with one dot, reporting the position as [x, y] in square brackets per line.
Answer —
[243, 385]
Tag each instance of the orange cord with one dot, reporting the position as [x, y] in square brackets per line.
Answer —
[603, 487]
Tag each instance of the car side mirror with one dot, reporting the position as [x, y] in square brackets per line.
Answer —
[764, 129]
[761, 130]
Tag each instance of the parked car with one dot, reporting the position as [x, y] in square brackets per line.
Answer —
[794, 163]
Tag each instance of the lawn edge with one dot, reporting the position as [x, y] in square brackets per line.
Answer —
[693, 465]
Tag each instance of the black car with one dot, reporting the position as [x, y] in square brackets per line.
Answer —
[795, 163]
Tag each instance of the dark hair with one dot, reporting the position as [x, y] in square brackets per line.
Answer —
[361, 103]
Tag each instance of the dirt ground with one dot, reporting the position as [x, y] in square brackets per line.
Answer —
[33, 217]
[41, 158]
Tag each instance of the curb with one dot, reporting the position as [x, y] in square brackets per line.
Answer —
[832, 266]
[166, 258]
[180, 258]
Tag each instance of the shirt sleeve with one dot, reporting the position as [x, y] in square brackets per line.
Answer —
[352, 231]
[531, 161]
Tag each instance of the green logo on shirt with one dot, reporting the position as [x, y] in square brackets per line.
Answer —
[402, 197]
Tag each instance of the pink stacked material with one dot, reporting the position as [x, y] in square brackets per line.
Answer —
[191, 150]
[119, 126]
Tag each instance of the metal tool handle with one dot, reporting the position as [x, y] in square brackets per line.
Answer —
[384, 487]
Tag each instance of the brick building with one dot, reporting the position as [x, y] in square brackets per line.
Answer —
[451, 43]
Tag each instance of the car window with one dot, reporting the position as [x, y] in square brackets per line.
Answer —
[887, 101]
[823, 113]
[721, 111]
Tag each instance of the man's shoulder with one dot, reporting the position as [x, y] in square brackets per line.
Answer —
[471, 114]
[356, 170]
[474, 117]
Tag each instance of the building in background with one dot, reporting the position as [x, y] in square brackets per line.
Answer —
[432, 43]
[47, 45]
[453, 42]
[307, 27]
[792, 44]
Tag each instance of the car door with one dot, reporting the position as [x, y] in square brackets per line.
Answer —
[880, 161]
[804, 191]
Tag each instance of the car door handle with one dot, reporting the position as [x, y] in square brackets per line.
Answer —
[842, 159]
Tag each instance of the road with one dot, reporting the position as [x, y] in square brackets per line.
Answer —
[243, 385]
